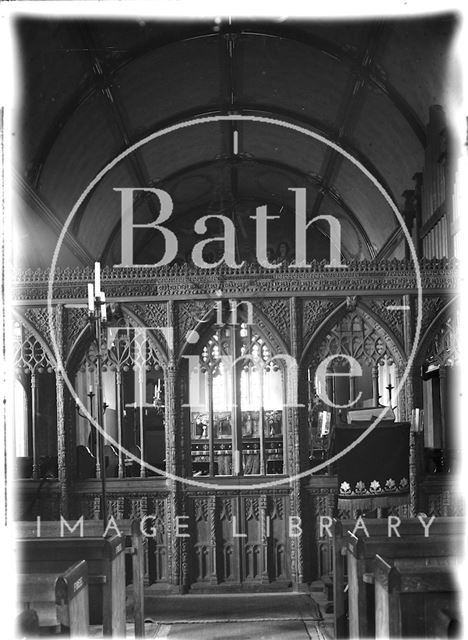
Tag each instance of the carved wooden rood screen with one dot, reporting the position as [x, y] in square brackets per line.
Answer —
[239, 539]
[214, 410]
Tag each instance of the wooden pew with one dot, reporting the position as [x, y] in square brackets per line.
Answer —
[106, 572]
[375, 527]
[59, 598]
[435, 551]
[415, 601]
[93, 528]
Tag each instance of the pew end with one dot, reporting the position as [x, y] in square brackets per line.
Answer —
[415, 601]
[59, 599]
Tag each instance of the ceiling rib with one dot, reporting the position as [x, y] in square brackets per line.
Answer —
[88, 89]
[229, 71]
[349, 109]
[390, 244]
[103, 81]
[261, 110]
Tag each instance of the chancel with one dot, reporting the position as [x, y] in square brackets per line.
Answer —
[239, 361]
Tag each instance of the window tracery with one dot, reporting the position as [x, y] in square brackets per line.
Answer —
[354, 336]
[236, 405]
[34, 406]
[133, 394]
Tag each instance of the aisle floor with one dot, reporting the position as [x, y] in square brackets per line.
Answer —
[223, 617]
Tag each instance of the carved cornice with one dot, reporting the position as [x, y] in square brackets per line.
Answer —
[184, 282]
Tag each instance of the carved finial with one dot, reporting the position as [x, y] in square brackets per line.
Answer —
[351, 302]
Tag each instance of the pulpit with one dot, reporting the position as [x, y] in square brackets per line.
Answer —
[373, 471]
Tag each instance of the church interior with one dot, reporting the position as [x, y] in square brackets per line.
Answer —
[235, 326]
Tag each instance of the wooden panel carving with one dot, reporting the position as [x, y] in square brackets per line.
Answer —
[443, 349]
[278, 555]
[391, 317]
[277, 312]
[431, 306]
[314, 313]
[366, 276]
[201, 533]
[77, 320]
[39, 318]
[191, 314]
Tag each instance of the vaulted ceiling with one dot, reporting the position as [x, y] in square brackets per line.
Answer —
[89, 89]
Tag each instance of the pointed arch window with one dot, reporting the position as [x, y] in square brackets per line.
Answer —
[236, 405]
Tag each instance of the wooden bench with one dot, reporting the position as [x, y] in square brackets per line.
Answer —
[93, 528]
[375, 527]
[106, 572]
[60, 599]
[415, 601]
[434, 551]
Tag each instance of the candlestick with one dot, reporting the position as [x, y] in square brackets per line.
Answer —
[103, 306]
[97, 307]
[90, 298]
[97, 278]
